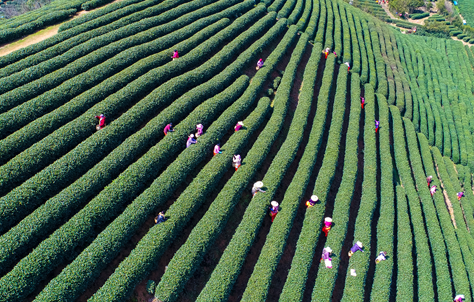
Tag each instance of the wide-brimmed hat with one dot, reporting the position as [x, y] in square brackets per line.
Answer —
[359, 243]
[191, 135]
[199, 126]
[240, 123]
[328, 219]
[258, 184]
[274, 204]
[328, 249]
[314, 198]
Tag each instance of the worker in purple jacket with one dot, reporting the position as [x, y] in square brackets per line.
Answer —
[259, 64]
[355, 248]
[191, 140]
[200, 129]
[327, 252]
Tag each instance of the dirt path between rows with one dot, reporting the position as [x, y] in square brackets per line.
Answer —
[42, 34]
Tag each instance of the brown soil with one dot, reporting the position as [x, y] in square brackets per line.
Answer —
[449, 205]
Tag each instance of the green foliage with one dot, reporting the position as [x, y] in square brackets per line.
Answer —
[419, 16]
[187, 258]
[354, 287]
[405, 270]
[441, 6]
[88, 265]
[225, 274]
[276, 82]
[150, 287]
[301, 262]
[403, 6]
[81, 158]
[385, 226]
[94, 4]
[92, 53]
[424, 264]
[326, 279]
[113, 7]
[64, 41]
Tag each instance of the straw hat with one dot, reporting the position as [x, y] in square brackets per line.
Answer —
[314, 198]
[274, 204]
[359, 243]
[258, 184]
[240, 123]
[328, 219]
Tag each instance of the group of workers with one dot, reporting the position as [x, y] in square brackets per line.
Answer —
[326, 52]
[327, 253]
[429, 180]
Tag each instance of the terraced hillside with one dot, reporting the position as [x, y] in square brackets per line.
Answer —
[77, 205]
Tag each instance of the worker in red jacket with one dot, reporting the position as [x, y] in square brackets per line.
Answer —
[101, 121]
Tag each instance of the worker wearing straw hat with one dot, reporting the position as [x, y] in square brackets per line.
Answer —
[381, 257]
[236, 161]
[238, 126]
[429, 179]
[327, 225]
[257, 187]
[312, 201]
[357, 247]
[200, 129]
[191, 140]
[459, 298]
[274, 209]
[327, 252]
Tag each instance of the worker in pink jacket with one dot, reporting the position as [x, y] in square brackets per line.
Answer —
[327, 225]
[168, 128]
[217, 150]
[460, 195]
[238, 126]
[433, 190]
[175, 55]
[199, 130]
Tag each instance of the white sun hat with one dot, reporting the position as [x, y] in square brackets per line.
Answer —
[359, 243]
[274, 204]
[328, 219]
[240, 123]
[328, 249]
[314, 198]
[258, 184]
